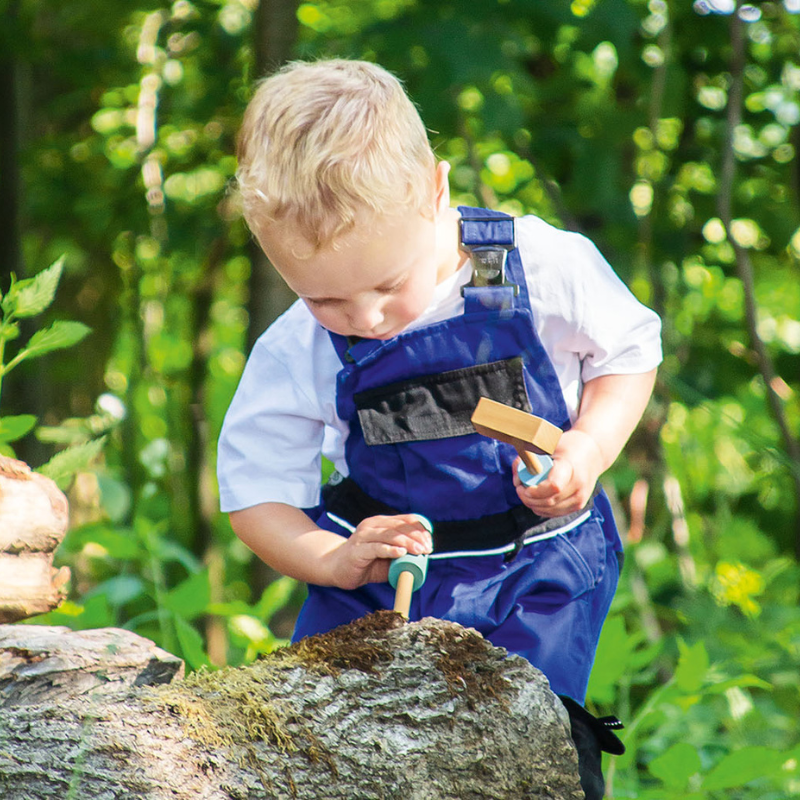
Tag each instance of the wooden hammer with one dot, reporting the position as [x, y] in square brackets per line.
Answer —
[533, 438]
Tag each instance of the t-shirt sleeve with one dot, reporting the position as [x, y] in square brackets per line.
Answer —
[271, 440]
[584, 310]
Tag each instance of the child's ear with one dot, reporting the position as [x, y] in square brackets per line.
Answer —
[441, 187]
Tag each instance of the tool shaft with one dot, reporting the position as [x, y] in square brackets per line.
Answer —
[402, 597]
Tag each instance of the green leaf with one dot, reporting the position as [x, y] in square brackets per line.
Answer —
[119, 590]
[61, 334]
[676, 765]
[692, 666]
[116, 497]
[120, 543]
[13, 428]
[9, 331]
[749, 681]
[63, 466]
[31, 296]
[166, 550]
[743, 766]
[611, 662]
[191, 643]
[93, 612]
[275, 597]
[191, 597]
[229, 609]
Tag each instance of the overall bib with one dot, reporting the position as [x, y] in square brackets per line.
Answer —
[412, 449]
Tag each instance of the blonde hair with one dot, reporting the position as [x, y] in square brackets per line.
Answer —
[324, 143]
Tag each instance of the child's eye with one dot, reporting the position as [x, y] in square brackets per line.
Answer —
[395, 287]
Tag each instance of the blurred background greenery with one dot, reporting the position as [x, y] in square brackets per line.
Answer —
[667, 131]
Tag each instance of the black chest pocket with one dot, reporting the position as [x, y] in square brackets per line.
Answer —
[438, 406]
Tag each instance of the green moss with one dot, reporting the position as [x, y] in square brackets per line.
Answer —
[471, 668]
[238, 707]
[360, 645]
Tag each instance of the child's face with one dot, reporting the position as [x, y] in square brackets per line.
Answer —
[379, 277]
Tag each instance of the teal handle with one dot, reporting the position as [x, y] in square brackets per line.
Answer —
[416, 565]
[528, 478]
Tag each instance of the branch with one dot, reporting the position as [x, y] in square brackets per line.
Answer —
[744, 266]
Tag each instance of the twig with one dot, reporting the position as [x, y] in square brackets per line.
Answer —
[680, 531]
[744, 266]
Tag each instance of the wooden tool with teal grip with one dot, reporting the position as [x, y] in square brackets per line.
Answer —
[534, 438]
[407, 573]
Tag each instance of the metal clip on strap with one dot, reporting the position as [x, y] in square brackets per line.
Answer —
[488, 241]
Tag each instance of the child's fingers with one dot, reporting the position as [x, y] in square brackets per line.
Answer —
[369, 551]
[401, 532]
[558, 494]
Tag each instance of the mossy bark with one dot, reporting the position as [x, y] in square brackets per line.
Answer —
[376, 709]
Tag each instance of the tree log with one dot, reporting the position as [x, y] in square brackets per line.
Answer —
[34, 515]
[374, 709]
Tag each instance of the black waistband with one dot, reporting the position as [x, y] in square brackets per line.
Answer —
[344, 498]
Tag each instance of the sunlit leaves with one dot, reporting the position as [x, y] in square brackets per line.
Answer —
[193, 186]
[742, 766]
[677, 765]
[59, 335]
[619, 654]
[693, 664]
[697, 177]
[708, 449]
[347, 17]
[235, 16]
[65, 464]
[505, 171]
[15, 427]
[29, 297]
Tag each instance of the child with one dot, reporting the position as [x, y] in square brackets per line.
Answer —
[407, 316]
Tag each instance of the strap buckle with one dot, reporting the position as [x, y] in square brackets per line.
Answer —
[488, 241]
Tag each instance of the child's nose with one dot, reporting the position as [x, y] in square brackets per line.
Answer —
[366, 316]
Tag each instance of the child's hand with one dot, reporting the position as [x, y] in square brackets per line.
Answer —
[366, 555]
[577, 464]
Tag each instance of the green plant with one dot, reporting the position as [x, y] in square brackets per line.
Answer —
[25, 299]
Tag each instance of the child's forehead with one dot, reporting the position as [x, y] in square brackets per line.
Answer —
[368, 231]
[372, 252]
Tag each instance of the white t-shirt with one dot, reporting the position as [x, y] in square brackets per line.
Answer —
[283, 416]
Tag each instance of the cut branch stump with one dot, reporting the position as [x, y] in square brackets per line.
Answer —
[34, 515]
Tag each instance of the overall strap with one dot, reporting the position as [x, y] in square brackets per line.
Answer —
[488, 236]
[342, 345]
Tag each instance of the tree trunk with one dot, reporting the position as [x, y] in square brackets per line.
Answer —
[274, 37]
[374, 709]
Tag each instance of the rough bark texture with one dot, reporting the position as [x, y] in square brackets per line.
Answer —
[375, 709]
[34, 516]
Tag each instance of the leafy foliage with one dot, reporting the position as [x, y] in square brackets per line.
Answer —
[29, 298]
[666, 131]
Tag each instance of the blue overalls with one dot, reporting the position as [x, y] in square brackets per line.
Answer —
[412, 449]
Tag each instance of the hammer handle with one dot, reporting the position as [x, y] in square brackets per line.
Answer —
[402, 597]
[530, 461]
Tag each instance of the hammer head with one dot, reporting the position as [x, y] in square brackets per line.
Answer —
[525, 432]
